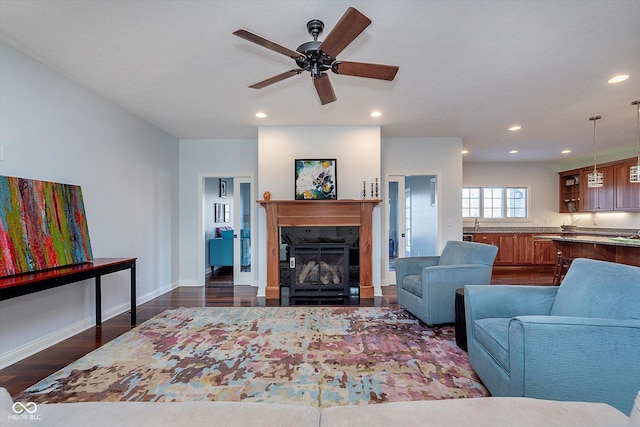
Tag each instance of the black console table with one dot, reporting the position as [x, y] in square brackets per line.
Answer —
[28, 283]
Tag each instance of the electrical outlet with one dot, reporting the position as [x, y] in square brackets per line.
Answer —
[292, 262]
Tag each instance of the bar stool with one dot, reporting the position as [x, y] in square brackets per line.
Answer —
[562, 265]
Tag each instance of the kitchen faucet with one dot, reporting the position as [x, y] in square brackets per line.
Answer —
[476, 225]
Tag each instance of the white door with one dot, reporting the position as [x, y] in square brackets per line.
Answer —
[243, 220]
[412, 218]
[396, 224]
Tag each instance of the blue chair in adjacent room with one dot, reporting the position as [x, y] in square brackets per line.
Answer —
[579, 341]
[426, 286]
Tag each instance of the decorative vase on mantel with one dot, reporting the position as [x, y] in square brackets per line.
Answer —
[267, 196]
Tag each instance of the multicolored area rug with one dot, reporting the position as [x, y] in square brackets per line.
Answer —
[316, 356]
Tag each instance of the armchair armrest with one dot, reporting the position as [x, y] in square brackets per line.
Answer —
[506, 301]
[576, 358]
[413, 265]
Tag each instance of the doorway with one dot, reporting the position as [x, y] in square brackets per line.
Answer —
[227, 216]
[412, 218]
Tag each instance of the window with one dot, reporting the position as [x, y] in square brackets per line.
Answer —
[494, 202]
[471, 202]
[516, 202]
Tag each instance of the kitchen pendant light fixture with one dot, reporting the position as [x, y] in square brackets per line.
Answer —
[595, 179]
[634, 171]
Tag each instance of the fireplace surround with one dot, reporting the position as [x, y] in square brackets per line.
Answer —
[307, 213]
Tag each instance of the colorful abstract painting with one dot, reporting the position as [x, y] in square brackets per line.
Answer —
[316, 179]
[42, 225]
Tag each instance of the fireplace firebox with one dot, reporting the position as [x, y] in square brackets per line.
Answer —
[319, 270]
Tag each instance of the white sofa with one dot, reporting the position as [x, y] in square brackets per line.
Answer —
[490, 411]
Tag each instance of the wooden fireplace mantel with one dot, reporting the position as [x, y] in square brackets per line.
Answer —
[302, 213]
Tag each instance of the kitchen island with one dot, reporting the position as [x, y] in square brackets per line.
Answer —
[606, 248]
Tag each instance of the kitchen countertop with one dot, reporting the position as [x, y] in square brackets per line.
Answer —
[586, 238]
[602, 236]
[582, 231]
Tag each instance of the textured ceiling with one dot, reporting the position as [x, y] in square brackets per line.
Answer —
[467, 68]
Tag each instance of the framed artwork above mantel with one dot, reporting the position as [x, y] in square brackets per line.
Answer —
[316, 179]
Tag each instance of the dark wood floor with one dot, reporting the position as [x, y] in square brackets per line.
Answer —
[219, 292]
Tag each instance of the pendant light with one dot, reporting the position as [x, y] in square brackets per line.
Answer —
[634, 171]
[595, 179]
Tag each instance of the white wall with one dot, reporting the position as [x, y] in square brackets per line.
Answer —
[53, 129]
[200, 158]
[357, 153]
[431, 156]
[542, 179]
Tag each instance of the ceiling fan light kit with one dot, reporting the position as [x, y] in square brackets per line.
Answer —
[317, 57]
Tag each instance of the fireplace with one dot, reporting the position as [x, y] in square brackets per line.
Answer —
[318, 213]
[320, 261]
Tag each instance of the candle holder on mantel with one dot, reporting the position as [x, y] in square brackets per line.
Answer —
[364, 189]
[372, 190]
[376, 188]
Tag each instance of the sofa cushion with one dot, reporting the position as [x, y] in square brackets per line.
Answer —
[599, 289]
[226, 234]
[413, 284]
[219, 230]
[478, 412]
[493, 335]
[159, 414]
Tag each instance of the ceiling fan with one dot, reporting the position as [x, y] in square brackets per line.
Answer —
[319, 56]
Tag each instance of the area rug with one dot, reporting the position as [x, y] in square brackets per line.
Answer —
[316, 356]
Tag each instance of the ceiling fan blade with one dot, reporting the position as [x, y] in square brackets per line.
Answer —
[346, 30]
[259, 40]
[324, 88]
[362, 69]
[275, 79]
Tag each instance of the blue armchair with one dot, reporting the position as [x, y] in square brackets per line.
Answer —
[426, 286]
[577, 341]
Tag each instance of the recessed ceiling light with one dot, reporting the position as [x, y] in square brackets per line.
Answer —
[513, 151]
[376, 114]
[515, 127]
[261, 115]
[465, 151]
[619, 78]
[565, 151]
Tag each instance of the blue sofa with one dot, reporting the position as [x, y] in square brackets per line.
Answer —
[221, 248]
[426, 286]
[577, 341]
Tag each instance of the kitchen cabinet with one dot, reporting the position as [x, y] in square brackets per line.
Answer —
[513, 248]
[617, 193]
[569, 191]
[627, 194]
[601, 198]
[544, 252]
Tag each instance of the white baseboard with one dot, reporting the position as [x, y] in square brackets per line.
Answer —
[187, 283]
[47, 341]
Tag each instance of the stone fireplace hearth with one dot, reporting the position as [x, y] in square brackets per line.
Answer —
[313, 213]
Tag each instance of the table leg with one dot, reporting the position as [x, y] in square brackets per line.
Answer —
[98, 301]
[133, 294]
